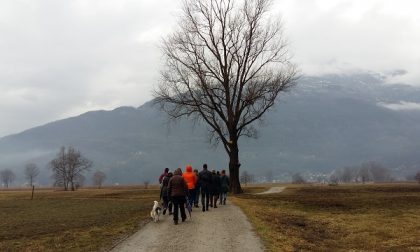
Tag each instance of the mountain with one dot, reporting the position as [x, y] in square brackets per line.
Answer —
[324, 123]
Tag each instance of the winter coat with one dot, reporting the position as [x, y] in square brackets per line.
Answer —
[165, 183]
[162, 176]
[205, 179]
[224, 183]
[177, 186]
[216, 184]
[190, 178]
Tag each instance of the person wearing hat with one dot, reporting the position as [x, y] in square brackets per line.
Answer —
[191, 180]
[178, 189]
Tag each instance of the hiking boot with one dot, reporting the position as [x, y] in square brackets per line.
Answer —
[204, 209]
[164, 211]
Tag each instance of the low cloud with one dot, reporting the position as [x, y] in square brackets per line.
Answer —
[401, 106]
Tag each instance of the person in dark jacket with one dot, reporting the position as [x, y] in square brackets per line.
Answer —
[164, 194]
[178, 190]
[224, 186]
[197, 190]
[215, 188]
[165, 173]
[204, 178]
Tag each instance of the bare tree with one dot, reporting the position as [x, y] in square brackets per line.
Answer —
[269, 176]
[225, 66]
[68, 167]
[7, 177]
[77, 164]
[418, 177]
[98, 178]
[79, 181]
[348, 174]
[245, 177]
[31, 172]
[364, 173]
[297, 178]
[379, 172]
[59, 168]
[146, 183]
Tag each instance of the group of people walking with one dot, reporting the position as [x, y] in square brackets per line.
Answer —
[179, 187]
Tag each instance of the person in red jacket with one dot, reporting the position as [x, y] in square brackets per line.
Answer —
[191, 180]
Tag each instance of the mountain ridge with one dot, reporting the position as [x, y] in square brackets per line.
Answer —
[325, 123]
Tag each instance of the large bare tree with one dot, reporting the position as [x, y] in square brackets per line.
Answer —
[7, 176]
[31, 172]
[226, 64]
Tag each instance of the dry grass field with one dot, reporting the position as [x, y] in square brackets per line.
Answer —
[85, 220]
[336, 218]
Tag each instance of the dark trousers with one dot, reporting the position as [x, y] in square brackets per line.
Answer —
[197, 196]
[167, 204]
[191, 196]
[179, 203]
[213, 198]
[205, 197]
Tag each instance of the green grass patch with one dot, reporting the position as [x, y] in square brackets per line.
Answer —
[348, 217]
[85, 220]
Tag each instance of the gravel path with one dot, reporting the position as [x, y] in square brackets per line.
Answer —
[273, 190]
[225, 228]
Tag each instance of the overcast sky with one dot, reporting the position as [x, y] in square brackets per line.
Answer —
[63, 58]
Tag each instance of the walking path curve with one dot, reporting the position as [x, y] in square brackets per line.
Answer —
[223, 229]
[273, 190]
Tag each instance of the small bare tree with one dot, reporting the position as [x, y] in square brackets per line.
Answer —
[146, 183]
[364, 173]
[418, 177]
[225, 66]
[79, 181]
[31, 172]
[98, 178]
[7, 177]
[269, 177]
[297, 178]
[246, 178]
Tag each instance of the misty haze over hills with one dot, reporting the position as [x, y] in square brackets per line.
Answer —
[324, 123]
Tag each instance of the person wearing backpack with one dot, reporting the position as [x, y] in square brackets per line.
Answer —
[205, 180]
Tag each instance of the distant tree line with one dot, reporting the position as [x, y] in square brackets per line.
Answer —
[68, 169]
[371, 171]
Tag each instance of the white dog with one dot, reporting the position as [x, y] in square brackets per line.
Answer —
[156, 210]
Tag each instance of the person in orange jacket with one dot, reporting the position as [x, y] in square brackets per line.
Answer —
[191, 179]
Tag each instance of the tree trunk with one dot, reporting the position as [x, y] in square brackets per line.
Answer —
[235, 185]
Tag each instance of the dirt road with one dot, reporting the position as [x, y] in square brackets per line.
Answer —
[225, 228]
